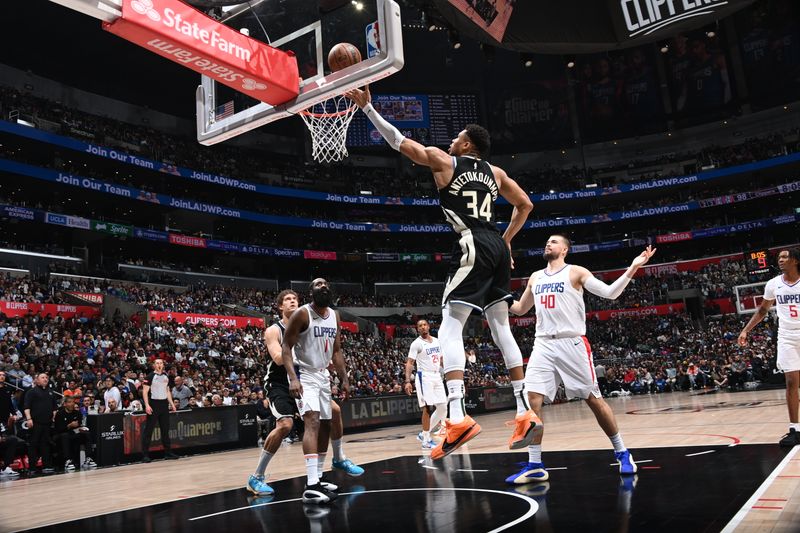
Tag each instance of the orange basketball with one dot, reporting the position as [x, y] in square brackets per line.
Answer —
[343, 55]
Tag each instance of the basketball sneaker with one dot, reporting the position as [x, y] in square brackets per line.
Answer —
[790, 439]
[348, 467]
[326, 484]
[626, 465]
[429, 445]
[457, 435]
[526, 427]
[318, 495]
[69, 466]
[258, 486]
[530, 473]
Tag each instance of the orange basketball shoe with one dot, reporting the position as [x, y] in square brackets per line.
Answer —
[456, 436]
[526, 427]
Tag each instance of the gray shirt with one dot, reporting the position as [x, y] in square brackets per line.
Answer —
[182, 396]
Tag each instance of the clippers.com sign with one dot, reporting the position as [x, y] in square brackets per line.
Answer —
[182, 34]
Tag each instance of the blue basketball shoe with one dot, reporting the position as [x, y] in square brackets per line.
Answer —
[530, 473]
[348, 467]
[258, 486]
[626, 465]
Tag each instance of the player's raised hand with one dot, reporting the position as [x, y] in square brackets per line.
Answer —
[643, 257]
[361, 98]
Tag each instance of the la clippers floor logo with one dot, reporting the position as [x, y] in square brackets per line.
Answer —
[145, 7]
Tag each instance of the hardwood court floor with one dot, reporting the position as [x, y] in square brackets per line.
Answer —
[706, 422]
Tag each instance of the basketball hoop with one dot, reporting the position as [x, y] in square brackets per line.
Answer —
[327, 122]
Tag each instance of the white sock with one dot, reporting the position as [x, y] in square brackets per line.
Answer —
[616, 440]
[263, 461]
[455, 388]
[438, 415]
[321, 462]
[795, 426]
[311, 469]
[338, 452]
[426, 436]
[519, 395]
[535, 453]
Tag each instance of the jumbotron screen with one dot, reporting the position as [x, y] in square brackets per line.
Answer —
[432, 119]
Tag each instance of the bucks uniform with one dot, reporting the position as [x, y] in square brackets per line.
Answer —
[480, 271]
[787, 303]
[312, 356]
[561, 352]
[428, 380]
[281, 402]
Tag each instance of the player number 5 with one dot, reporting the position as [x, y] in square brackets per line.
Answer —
[794, 312]
[486, 206]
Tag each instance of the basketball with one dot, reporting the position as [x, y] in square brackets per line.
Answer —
[343, 55]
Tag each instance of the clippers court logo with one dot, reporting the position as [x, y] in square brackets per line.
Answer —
[145, 7]
[643, 17]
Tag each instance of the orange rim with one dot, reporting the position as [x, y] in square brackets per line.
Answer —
[308, 113]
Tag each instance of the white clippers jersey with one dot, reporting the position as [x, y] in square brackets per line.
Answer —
[560, 310]
[787, 302]
[314, 348]
[427, 354]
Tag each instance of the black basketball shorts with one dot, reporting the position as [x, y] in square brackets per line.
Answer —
[480, 271]
[281, 402]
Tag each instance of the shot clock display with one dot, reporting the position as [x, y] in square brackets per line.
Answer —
[757, 262]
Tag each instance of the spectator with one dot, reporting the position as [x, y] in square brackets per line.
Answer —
[111, 393]
[70, 433]
[181, 393]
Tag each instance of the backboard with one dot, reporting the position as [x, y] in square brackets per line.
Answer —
[302, 27]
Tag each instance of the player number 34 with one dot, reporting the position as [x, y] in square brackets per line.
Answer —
[485, 211]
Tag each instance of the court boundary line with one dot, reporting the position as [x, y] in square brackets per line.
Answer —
[739, 517]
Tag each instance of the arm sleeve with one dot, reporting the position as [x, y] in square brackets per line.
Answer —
[769, 291]
[391, 134]
[610, 292]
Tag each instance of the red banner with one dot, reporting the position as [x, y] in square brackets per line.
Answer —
[666, 309]
[319, 254]
[212, 321]
[674, 237]
[91, 297]
[349, 326]
[670, 268]
[187, 240]
[186, 36]
[16, 309]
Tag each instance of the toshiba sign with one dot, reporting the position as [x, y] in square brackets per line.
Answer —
[186, 36]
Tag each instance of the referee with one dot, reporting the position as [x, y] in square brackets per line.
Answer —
[157, 404]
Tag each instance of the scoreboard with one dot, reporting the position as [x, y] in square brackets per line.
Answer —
[431, 119]
[757, 262]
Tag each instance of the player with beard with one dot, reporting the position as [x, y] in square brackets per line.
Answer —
[784, 290]
[312, 341]
[561, 351]
[283, 407]
[480, 272]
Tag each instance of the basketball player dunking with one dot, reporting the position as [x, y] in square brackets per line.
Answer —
[427, 354]
[283, 406]
[480, 273]
[784, 292]
[312, 342]
[561, 352]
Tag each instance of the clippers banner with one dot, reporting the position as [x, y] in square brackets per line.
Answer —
[211, 321]
[17, 309]
[186, 36]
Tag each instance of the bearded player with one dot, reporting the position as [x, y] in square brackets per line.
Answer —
[480, 273]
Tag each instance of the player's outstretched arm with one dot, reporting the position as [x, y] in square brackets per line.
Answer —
[612, 292]
[525, 302]
[757, 317]
[297, 323]
[429, 156]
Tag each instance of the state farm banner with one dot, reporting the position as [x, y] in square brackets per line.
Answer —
[17, 309]
[212, 321]
[91, 297]
[186, 36]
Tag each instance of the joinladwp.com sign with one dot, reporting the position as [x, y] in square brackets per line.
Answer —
[186, 36]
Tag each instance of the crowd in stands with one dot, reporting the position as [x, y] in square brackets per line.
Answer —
[348, 179]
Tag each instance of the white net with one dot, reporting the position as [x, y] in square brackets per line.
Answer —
[327, 122]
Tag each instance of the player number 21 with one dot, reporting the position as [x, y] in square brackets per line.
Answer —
[486, 206]
[548, 301]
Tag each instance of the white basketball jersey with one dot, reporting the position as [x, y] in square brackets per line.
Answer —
[427, 354]
[787, 302]
[314, 348]
[560, 310]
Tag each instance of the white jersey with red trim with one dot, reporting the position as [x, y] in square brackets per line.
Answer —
[787, 302]
[427, 354]
[314, 348]
[560, 310]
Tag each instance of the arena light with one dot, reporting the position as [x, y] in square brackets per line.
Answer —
[570, 61]
[527, 60]
[664, 47]
[454, 39]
